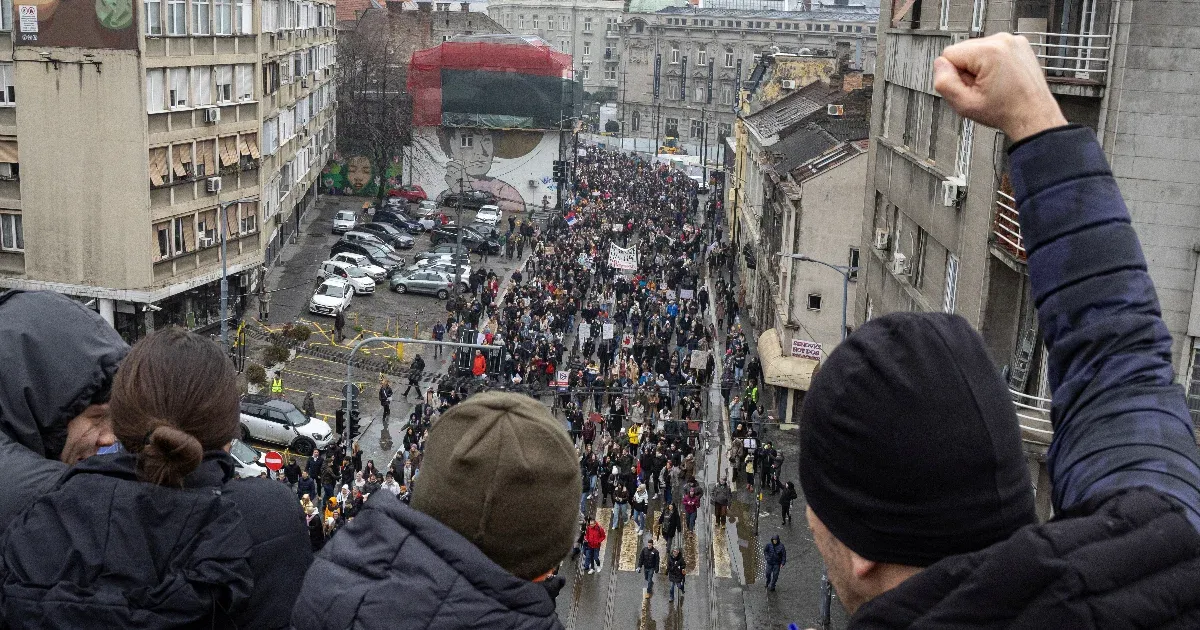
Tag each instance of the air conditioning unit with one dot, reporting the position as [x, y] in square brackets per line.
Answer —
[533, 183]
[787, 84]
[835, 110]
[899, 264]
[213, 184]
[212, 115]
[950, 190]
[881, 239]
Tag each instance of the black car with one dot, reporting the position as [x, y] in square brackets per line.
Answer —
[390, 234]
[472, 240]
[377, 255]
[471, 199]
[399, 220]
[445, 250]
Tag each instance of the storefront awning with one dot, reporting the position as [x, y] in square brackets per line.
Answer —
[782, 370]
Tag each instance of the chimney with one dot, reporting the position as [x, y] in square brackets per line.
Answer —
[807, 5]
[852, 81]
[465, 6]
[425, 7]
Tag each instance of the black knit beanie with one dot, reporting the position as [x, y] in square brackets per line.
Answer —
[910, 449]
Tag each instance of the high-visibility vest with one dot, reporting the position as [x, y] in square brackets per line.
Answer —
[277, 385]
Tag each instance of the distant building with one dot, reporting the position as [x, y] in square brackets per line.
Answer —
[693, 44]
[801, 159]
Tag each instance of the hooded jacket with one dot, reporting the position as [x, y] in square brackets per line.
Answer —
[57, 354]
[398, 568]
[104, 550]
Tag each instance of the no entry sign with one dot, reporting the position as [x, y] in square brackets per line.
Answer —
[273, 460]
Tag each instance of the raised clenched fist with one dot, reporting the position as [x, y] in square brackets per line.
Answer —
[997, 81]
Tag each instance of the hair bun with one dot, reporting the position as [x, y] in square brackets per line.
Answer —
[169, 456]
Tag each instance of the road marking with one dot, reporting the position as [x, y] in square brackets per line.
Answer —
[720, 546]
[630, 546]
[689, 551]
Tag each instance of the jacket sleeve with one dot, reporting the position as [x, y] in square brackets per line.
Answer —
[1120, 420]
[27, 476]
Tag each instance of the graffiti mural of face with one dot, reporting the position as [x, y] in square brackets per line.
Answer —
[473, 150]
[358, 172]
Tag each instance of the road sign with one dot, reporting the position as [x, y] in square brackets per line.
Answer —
[273, 460]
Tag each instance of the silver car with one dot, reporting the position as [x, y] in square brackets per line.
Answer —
[423, 281]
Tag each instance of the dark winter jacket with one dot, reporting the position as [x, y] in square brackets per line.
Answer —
[668, 523]
[1123, 549]
[104, 550]
[775, 554]
[57, 354]
[648, 559]
[308, 486]
[721, 494]
[676, 568]
[395, 567]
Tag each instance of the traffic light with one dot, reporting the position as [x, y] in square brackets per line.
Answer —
[560, 171]
[349, 392]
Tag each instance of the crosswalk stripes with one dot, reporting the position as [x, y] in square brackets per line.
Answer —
[720, 543]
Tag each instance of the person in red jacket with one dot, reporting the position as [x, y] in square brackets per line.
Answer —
[592, 538]
[478, 364]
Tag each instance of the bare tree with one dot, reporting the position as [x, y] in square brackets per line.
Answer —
[374, 106]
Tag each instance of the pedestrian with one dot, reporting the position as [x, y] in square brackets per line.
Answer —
[479, 365]
[306, 486]
[639, 505]
[339, 323]
[439, 334]
[648, 562]
[620, 506]
[277, 385]
[309, 406]
[676, 571]
[691, 505]
[291, 472]
[415, 372]
[721, 496]
[593, 538]
[775, 556]
[196, 556]
[785, 501]
[385, 400]
[668, 525]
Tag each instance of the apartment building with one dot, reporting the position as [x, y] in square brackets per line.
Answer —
[704, 56]
[940, 230]
[146, 143]
[588, 30]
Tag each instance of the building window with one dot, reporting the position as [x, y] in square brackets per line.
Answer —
[852, 262]
[176, 17]
[674, 54]
[963, 164]
[671, 127]
[585, 72]
[443, 6]
[610, 25]
[639, 26]
[724, 130]
[521, 21]
[162, 234]
[200, 17]
[610, 72]
[223, 18]
[912, 118]
[12, 237]
[697, 130]
[814, 301]
[153, 16]
[563, 44]
[224, 84]
[537, 22]
[177, 96]
[245, 82]
[702, 56]
[608, 51]
[155, 86]
[8, 88]
[466, 141]
[951, 283]
[562, 22]
[587, 49]
[635, 121]
[201, 86]
[728, 58]
[587, 25]
[244, 16]
[672, 89]
[726, 95]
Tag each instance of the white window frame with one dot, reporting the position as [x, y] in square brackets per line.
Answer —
[223, 77]
[201, 17]
[537, 22]
[729, 59]
[585, 72]
[177, 18]
[587, 50]
[587, 25]
[944, 18]
[223, 17]
[178, 79]
[154, 27]
[977, 11]
[12, 232]
[202, 94]
[270, 142]
[8, 86]
[244, 82]
[610, 72]
[156, 85]
[963, 160]
[674, 54]
[702, 55]
[951, 298]
[243, 16]
[562, 23]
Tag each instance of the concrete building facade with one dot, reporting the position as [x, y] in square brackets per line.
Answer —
[163, 124]
[588, 30]
[689, 41]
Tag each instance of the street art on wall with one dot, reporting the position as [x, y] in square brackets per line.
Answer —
[514, 165]
[354, 175]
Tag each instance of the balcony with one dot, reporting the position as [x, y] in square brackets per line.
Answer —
[1033, 414]
[1007, 228]
[1078, 63]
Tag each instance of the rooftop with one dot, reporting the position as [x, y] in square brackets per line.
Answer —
[818, 12]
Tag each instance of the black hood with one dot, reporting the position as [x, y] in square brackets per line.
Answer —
[57, 354]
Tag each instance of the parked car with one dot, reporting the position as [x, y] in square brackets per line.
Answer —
[381, 240]
[355, 277]
[488, 214]
[377, 255]
[427, 281]
[409, 192]
[399, 220]
[488, 231]
[471, 199]
[280, 422]
[445, 250]
[361, 261]
[472, 240]
[430, 218]
[447, 267]
[331, 297]
[426, 204]
[390, 234]
[344, 221]
[247, 460]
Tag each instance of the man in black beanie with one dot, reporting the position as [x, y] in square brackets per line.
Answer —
[911, 462]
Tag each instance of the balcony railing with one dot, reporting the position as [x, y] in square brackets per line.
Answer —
[1007, 227]
[1033, 414]
[1067, 55]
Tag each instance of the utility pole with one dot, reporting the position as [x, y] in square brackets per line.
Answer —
[458, 248]
[222, 209]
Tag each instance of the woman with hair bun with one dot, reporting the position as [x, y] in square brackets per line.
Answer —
[155, 535]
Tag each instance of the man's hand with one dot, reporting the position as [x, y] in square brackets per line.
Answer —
[997, 81]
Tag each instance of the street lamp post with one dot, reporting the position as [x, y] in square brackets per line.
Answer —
[222, 209]
[845, 271]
